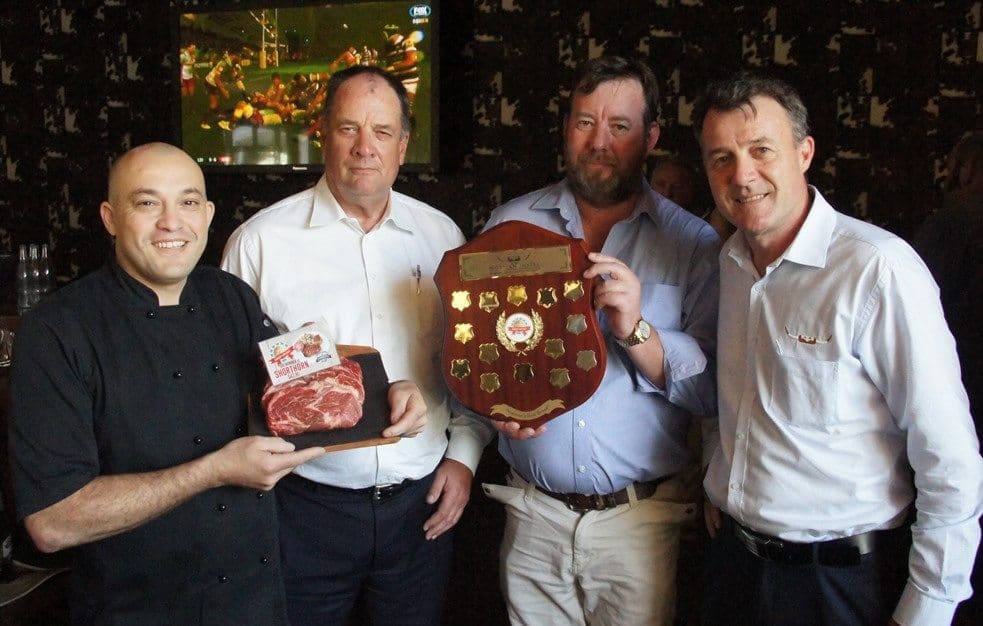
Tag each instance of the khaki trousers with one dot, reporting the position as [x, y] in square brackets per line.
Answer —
[615, 567]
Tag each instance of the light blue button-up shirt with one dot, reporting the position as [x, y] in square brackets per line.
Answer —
[631, 430]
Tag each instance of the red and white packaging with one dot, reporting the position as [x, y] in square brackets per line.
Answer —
[299, 353]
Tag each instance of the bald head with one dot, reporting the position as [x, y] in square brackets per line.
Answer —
[134, 157]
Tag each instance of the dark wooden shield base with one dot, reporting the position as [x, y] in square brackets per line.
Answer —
[551, 372]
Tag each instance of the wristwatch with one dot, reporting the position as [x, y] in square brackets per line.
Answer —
[640, 335]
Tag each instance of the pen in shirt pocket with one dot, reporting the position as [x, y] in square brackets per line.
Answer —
[417, 274]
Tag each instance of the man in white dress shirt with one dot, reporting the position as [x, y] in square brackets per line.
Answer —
[847, 483]
[370, 524]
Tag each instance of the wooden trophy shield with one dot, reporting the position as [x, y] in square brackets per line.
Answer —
[521, 340]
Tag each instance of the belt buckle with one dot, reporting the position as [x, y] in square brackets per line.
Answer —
[584, 503]
[382, 492]
[761, 547]
[774, 550]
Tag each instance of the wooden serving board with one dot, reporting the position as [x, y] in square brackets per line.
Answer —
[375, 410]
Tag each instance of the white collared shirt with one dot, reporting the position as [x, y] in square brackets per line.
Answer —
[835, 372]
[307, 259]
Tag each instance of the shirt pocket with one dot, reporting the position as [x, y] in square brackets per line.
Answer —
[803, 391]
[662, 304]
[428, 308]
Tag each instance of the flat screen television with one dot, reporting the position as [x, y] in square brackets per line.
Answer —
[252, 77]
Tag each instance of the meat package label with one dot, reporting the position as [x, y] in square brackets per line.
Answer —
[299, 353]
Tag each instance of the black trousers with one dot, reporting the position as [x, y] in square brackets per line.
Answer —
[743, 589]
[343, 549]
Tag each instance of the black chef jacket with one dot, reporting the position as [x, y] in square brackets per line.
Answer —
[106, 381]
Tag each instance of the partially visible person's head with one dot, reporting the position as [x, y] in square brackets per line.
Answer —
[158, 214]
[610, 128]
[753, 133]
[965, 166]
[675, 179]
[365, 129]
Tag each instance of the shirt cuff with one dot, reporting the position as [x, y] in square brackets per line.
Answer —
[467, 441]
[684, 357]
[917, 608]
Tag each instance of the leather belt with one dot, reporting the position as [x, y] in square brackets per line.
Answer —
[843, 552]
[378, 493]
[583, 502]
[384, 492]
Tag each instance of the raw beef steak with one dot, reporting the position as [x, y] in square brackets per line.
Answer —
[331, 398]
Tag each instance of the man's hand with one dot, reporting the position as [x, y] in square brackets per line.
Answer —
[513, 430]
[408, 412]
[619, 294]
[711, 517]
[258, 462]
[452, 488]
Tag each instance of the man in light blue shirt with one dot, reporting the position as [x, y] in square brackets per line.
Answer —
[611, 559]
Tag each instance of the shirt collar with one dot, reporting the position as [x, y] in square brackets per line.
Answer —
[560, 198]
[811, 243]
[326, 210]
[144, 294]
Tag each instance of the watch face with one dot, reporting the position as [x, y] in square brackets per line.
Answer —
[639, 335]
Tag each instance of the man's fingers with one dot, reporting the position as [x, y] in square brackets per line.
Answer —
[290, 460]
[439, 524]
[515, 431]
[274, 445]
[409, 425]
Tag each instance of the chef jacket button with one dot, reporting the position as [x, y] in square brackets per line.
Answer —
[267, 323]
[178, 375]
[223, 578]
[198, 439]
[221, 507]
[151, 314]
[192, 308]
[216, 367]
[264, 560]
[240, 430]
[260, 494]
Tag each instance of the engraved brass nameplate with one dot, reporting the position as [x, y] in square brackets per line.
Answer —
[518, 262]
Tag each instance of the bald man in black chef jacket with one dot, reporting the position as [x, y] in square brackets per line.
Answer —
[129, 411]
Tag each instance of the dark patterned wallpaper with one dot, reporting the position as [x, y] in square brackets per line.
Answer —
[889, 85]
